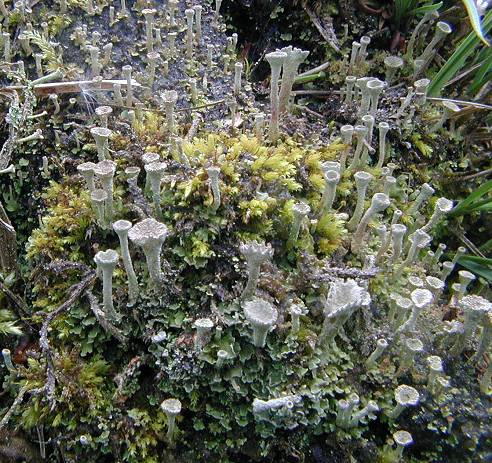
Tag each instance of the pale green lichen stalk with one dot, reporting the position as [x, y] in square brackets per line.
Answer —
[86, 169]
[106, 261]
[262, 316]
[276, 60]
[379, 203]
[294, 58]
[332, 177]
[255, 254]
[121, 228]
[155, 172]
[405, 396]
[150, 235]
[474, 310]
[299, 211]
[172, 408]
[295, 312]
[7, 358]
[421, 298]
[263, 406]
[105, 171]
[402, 439]
[101, 136]
[213, 175]
[203, 328]
[362, 180]
[343, 298]
[371, 408]
[411, 347]
[381, 346]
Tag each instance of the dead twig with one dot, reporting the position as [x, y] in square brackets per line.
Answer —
[77, 86]
[309, 111]
[13, 407]
[74, 293]
[464, 103]
[101, 318]
[466, 176]
[326, 30]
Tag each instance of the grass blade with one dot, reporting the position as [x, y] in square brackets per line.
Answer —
[458, 58]
[467, 204]
[471, 8]
[479, 265]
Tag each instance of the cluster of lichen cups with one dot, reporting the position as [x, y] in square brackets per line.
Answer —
[397, 250]
[394, 247]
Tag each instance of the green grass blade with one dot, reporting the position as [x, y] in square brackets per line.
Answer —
[464, 206]
[487, 246]
[427, 8]
[478, 265]
[482, 75]
[458, 58]
[471, 8]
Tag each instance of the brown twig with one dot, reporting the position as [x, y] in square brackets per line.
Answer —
[78, 86]
[309, 111]
[327, 31]
[465, 176]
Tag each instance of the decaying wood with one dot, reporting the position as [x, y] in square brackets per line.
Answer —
[8, 245]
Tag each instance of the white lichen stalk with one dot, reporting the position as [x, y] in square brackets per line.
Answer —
[262, 316]
[106, 262]
[121, 228]
[263, 406]
[343, 298]
[105, 171]
[379, 203]
[255, 254]
[294, 58]
[332, 178]
[150, 235]
[299, 211]
[155, 172]
[213, 175]
[362, 180]
[172, 408]
[276, 60]
[381, 346]
[405, 396]
[474, 310]
[421, 298]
